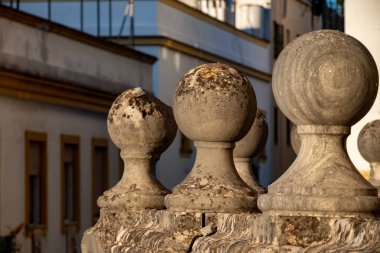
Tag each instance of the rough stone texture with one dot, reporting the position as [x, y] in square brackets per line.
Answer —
[103, 234]
[369, 148]
[180, 232]
[248, 147]
[142, 127]
[164, 231]
[324, 82]
[295, 140]
[214, 105]
[258, 233]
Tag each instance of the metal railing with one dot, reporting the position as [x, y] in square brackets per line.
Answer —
[109, 18]
[96, 17]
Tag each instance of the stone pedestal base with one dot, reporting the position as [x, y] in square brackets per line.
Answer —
[147, 231]
[100, 237]
[167, 231]
[262, 233]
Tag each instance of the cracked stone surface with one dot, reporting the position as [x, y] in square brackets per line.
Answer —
[183, 232]
[164, 231]
[257, 233]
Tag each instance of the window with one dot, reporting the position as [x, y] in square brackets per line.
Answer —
[70, 182]
[99, 173]
[278, 39]
[288, 39]
[35, 181]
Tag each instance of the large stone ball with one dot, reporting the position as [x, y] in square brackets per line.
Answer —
[139, 123]
[214, 102]
[369, 141]
[325, 78]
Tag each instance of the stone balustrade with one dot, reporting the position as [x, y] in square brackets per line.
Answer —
[324, 82]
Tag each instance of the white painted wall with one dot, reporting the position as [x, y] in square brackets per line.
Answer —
[206, 36]
[295, 16]
[38, 52]
[362, 21]
[19, 116]
[155, 18]
[249, 13]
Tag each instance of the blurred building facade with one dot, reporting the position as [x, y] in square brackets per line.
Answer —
[56, 86]
[181, 34]
[362, 22]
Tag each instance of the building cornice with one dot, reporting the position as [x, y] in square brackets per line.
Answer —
[222, 25]
[194, 52]
[45, 25]
[21, 86]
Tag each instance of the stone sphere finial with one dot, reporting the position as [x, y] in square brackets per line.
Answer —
[214, 102]
[324, 81]
[248, 147]
[140, 124]
[325, 78]
[369, 141]
[369, 148]
[215, 105]
[142, 127]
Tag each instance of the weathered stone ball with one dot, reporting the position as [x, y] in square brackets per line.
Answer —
[325, 78]
[254, 141]
[139, 123]
[214, 102]
[369, 141]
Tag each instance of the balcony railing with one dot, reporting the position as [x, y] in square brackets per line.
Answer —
[115, 17]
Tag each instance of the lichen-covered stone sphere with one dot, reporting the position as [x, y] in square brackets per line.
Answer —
[254, 141]
[214, 102]
[140, 124]
[325, 78]
[369, 141]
